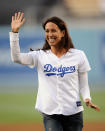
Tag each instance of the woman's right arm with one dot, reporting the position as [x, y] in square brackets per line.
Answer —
[21, 58]
[29, 59]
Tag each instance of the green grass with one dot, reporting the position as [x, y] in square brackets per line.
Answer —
[18, 107]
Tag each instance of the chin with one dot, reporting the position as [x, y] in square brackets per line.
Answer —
[52, 44]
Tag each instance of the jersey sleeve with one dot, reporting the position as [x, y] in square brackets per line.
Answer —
[84, 65]
[30, 59]
[83, 84]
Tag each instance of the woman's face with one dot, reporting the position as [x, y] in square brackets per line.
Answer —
[53, 34]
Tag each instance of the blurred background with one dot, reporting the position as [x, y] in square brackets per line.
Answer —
[18, 84]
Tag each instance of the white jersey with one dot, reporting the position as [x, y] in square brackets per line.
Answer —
[58, 78]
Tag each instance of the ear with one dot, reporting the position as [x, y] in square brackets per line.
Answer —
[63, 33]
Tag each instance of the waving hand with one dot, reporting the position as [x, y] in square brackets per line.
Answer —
[17, 21]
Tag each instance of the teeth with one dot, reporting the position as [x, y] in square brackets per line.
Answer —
[51, 40]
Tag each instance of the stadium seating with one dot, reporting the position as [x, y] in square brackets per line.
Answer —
[83, 8]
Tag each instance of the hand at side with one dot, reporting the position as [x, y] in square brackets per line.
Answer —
[90, 104]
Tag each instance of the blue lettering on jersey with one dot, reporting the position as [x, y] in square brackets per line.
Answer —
[50, 70]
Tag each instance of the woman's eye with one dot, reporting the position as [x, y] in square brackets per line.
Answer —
[46, 31]
[53, 30]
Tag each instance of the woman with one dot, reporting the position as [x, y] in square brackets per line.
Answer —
[62, 75]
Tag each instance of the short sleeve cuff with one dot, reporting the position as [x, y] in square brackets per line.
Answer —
[85, 70]
[84, 65]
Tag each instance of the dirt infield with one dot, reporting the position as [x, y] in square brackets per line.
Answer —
[39, 127]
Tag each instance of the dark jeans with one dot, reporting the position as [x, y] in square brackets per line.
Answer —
[63, 123]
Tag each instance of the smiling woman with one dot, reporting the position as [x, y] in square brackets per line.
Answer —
[53, 34]
[59, 90]
[57, 33]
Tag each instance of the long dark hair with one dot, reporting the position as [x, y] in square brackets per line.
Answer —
[66, 41]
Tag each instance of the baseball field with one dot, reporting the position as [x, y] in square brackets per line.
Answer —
[17, 111]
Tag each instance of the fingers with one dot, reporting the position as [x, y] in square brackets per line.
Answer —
[91, 105]
[15, 16]
[23, 21]
[18, 16]
[21, 15]
[95, 107]
[17, 21]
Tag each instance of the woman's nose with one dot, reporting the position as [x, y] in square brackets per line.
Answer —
[50, 33]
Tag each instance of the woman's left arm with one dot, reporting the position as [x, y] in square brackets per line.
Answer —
[85, 91]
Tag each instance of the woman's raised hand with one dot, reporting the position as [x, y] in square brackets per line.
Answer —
[17, 21]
